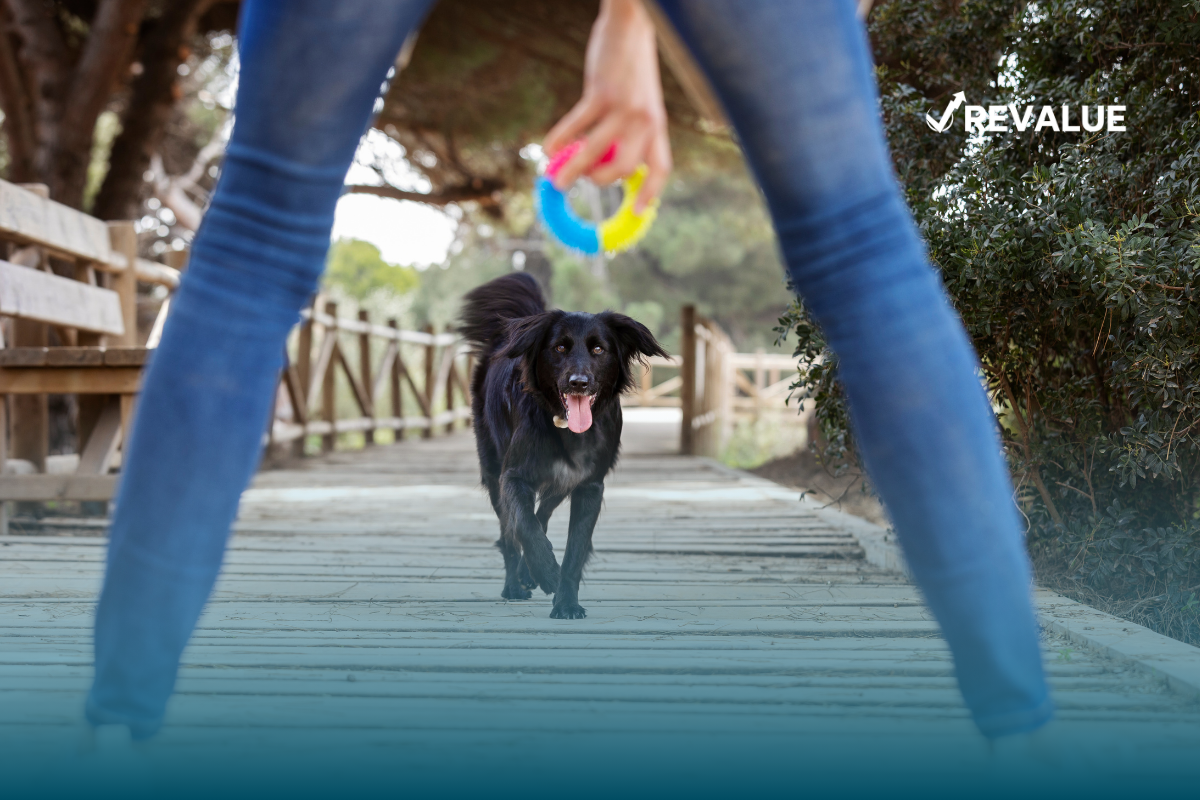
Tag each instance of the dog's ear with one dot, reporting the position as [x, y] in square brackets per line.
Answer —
[526, 335]
[634, 338]
[634, 341]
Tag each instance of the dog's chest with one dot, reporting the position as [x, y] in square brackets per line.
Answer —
[566, 475]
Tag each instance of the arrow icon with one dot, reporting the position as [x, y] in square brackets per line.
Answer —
[947, 115]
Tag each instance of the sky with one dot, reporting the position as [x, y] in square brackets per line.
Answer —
[406, 233]
[409, 234]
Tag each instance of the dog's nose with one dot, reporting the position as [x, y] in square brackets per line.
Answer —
[579, 382]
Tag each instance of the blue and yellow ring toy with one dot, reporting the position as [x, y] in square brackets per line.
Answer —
[619, 232]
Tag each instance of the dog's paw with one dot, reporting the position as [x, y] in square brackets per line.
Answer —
[524, 577]
[568, 611]
[546, 574]
[550, 584]
[516, 593]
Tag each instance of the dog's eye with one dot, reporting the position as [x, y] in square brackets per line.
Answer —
[562, 348]
[597, 350]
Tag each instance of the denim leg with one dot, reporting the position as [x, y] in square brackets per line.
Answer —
[796, 79]
[310, 73]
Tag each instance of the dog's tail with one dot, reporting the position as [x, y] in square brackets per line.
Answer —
[487, 309]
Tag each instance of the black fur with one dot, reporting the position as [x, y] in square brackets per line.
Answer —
[516, 392]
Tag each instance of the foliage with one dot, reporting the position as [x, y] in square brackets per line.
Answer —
[357, 268]
[1073, 261]
[712, 245]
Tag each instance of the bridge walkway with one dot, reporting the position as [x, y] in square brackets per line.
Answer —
[733, 630]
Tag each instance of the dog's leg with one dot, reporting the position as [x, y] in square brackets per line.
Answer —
[585, 510]
[517, 498]
[513, 588]
[509, 548]
[546, 507]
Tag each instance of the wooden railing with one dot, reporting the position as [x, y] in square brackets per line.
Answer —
[389, 373]
[715, 386]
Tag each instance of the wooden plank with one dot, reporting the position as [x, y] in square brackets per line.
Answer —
[361, 398]
[294, 385]
[364, 392]
[687, 374]
[318, 369]
[338, 613]
[123, 241]
[57, 487]
[153, 272]
[67, 380]
[28, 218]
[75, 357]
[126, 356]
[102, 443]
[429, 390]
[36, 295]
[23, 356]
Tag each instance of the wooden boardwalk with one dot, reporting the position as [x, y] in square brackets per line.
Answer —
[732, 631]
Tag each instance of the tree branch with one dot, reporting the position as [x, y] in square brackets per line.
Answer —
[1034, 472]
[481, 189]
[105, 57]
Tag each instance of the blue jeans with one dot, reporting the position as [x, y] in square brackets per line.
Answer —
[796, 80]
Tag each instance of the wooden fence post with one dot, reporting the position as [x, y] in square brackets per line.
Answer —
[364, 365]
[30, 412]
[123, 239]
[397, 397]
[430, 380]
[3, 460]
[329, 387]
[687, 374]
[451, 374]
[304, 371]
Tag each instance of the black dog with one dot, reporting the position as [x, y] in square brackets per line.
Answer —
[546, 400]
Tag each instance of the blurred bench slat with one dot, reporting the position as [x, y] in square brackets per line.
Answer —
[57, 487]
[73, 356]
[70, 380]
[32, 219]
[32, 294]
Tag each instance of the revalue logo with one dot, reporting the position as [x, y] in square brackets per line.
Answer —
[979, 120]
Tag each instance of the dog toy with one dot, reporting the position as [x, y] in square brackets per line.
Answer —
[619, 232]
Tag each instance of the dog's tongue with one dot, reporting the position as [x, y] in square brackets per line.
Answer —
[579, 413]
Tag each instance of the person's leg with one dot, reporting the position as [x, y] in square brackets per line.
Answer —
[310, 73]
[796, 79]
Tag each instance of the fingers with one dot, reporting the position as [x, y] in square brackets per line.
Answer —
[658, 170]
[573, 125]
[630, 155]
[594, 147]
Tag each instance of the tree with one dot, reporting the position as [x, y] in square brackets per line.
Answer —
[1072, 260]
[357, 268]
[63, 63]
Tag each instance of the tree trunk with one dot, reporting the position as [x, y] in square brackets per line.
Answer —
[18, 107]
[56, 92]
[105, 59]
[152, 97]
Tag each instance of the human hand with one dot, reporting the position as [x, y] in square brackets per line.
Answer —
[622, 104]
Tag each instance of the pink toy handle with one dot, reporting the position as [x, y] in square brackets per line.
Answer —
[568, 152]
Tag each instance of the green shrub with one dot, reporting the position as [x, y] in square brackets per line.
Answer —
[1074, 260]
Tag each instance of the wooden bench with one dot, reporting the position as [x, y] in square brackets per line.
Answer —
[99, 355]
